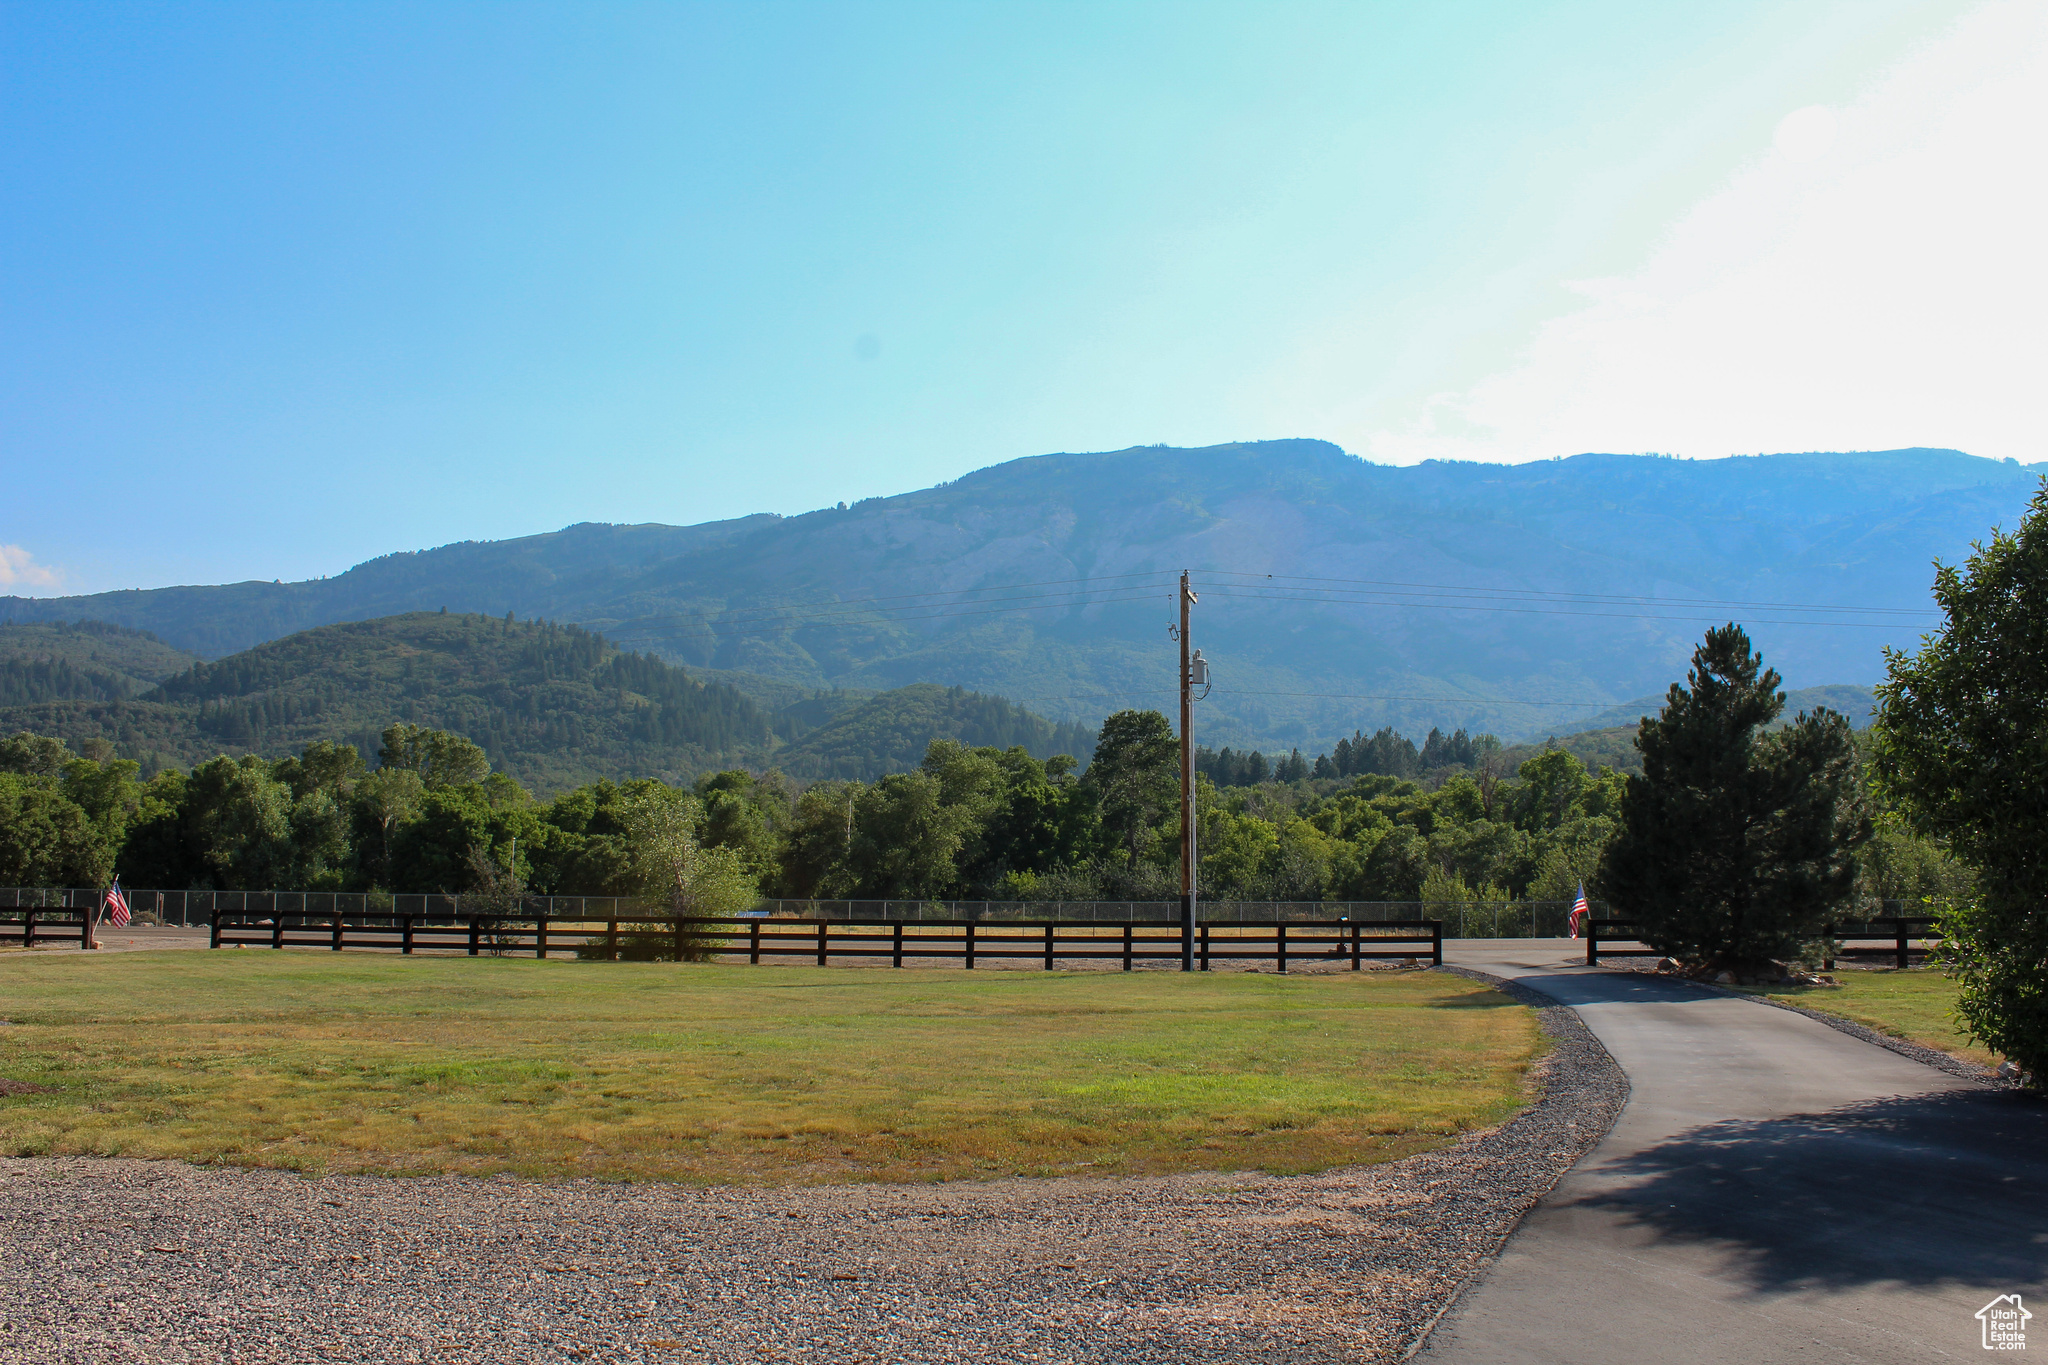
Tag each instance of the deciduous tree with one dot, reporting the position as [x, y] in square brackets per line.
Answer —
[1962, 756]
[441, 759]
[676, 871]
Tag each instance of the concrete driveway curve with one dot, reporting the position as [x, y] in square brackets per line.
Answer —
[1774, 1191]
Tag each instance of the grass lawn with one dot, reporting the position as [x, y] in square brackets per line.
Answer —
[556, 1069]
[1914, 1004]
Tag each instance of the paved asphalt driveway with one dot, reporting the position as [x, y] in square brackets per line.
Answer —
[1774, 1191]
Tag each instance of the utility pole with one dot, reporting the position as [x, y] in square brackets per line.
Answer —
[1187, 787]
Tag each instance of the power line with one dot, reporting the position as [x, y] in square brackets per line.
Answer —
[915, 607]
[889, 620]
[858, 605]
[1392, 696]
[1541, 611]
[1545, 594]
[1334, 696]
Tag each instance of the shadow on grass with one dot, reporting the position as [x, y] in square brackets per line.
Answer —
[1912, 1190]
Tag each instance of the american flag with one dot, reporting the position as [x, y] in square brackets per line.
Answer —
[1580, 910]
[116, 906]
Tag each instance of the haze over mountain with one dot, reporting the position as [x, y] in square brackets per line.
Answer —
[1335, 594]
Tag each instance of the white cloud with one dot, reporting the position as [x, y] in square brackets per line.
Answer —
[1805, 134]
[1875, 278]
[18, 569]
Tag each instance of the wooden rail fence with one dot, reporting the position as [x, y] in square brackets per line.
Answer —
[46, 926]
[1610, 931]
[1900, 937]
[1345, 942]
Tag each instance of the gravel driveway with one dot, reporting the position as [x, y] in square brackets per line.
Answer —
[109, 1260]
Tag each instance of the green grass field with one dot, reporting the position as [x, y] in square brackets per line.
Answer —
[333, 1063]
[1915, 1004]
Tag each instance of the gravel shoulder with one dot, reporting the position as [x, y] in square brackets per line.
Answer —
[129, 1260]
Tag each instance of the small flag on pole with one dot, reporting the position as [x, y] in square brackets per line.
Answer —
[1579, 910]
[116, 906]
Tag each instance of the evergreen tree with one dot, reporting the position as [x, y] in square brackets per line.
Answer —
[1391, 754]
[1135, 777]
[1736, 843]
[1436, 749]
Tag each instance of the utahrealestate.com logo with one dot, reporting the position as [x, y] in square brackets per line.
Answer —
[2005, 1323]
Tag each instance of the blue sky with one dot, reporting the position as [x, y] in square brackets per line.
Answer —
[285, 287]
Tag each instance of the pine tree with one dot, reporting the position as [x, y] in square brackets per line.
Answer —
[1736, 842]
[1135, 777]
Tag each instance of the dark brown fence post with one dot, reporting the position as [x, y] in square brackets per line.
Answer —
[824, 929]
[1901, 926]
[1127, 947]
[213, 933]
[405, 935]
[540, 936]
[1436, 942]
[1205, 947]
[754, 943]
[476, 934]
[611, 940]
[897, 949]
[28, 931]
[1592, 941]
[1048, 947]
[1356, 931]
[276, 930]
[969, 946]
[1280, 943]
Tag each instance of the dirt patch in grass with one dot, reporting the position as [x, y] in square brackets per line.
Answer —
[718, 1073]
[8, 1087]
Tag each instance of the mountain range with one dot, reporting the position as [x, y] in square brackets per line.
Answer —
[1334, 594]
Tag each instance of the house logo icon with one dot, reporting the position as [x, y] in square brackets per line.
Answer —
[2005, 1323]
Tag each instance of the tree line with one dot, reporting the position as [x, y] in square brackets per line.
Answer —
[1383, 753]
[973, 822]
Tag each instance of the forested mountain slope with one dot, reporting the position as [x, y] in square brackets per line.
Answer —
[86, 661]
[552, 706]
[1399, 595]
[890, 733]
